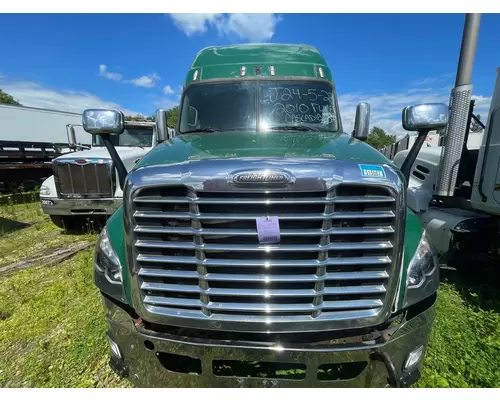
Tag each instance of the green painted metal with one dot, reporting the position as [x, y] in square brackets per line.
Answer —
[288, 60]
[330, 145]
[413, 233]
[116, 236]
[224, 62]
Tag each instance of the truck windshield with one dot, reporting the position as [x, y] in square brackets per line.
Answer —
[140, 137]
[259, 105]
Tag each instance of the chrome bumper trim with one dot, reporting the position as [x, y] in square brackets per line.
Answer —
[57, 206]
[145, 369]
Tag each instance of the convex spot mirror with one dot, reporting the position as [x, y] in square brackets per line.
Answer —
[99, 122]
[362, 121]
[425, 117]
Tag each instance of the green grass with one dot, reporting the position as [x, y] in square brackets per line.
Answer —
[52, 328]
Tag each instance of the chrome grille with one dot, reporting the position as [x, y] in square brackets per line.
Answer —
[197, 253]
[88, 180]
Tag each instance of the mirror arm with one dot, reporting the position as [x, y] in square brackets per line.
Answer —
[117, 161]
[412, 155]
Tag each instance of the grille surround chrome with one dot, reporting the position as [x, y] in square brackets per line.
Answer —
[94, 166]
[312, 175]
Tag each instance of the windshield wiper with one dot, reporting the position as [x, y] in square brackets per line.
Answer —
[208, 130]
[302, 128]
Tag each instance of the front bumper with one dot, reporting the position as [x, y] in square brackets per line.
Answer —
[160, 359]
[58, 206]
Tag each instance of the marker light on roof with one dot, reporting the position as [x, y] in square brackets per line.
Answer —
[271, 70]
[321, 73]
[195, 76]
[243, 71]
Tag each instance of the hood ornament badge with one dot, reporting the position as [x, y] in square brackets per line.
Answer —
[261, 177]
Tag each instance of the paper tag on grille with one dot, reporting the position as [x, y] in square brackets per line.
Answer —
[268, 229]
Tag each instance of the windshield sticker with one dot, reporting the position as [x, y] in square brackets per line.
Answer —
[372, 171]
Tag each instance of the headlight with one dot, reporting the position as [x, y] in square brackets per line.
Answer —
[44, 190]
[422, 279]
[106, 260]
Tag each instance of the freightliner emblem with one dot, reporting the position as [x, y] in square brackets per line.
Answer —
[266, 177]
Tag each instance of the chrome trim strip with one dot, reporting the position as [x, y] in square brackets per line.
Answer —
[165, 273]
[266, 248]
[267, 264]
[302, 200]
[253, 232]
[242, 217]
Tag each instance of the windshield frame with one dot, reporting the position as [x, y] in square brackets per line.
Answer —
[258, 81]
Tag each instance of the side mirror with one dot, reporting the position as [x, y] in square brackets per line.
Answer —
[362, 122]
[425, 117]
[70, 132]
[104, 123]
[99, 122]
[422, 118]
[161, 125]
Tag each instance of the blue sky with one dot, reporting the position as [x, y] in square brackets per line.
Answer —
[137, 62]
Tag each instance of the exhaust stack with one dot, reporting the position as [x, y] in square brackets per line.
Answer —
[459, 107]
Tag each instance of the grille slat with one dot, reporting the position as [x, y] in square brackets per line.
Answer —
[262, 307]
[264, 293]
[309, 200]
[87, 180]
[267, 318]
[198, 254]
[253, 232]
[162, 273]
[241, 217]
[263, 263]
[264, 248]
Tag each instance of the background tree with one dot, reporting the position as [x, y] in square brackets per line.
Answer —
[379, 138]
[8, 99]
[173, 116]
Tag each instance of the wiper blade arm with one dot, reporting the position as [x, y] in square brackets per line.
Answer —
[301, 128]
[208, 130]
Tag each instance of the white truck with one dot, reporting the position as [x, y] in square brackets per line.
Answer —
[84, 183]
[30, 138]
[455, 189]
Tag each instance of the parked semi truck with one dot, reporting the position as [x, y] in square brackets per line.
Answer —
[455, 189]
[263, 245]
[30, 138]
[83, 185]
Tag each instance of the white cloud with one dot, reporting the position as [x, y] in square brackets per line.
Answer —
[146, 81]
[386, 108]
[259, 27]
[192, 24]
[168, 90]
[103, 71]
[433, 80]
[35, 95]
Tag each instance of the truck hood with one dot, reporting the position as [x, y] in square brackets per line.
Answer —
[128, 154]
[336, 146]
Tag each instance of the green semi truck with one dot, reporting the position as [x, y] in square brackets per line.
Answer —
[262, 245]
